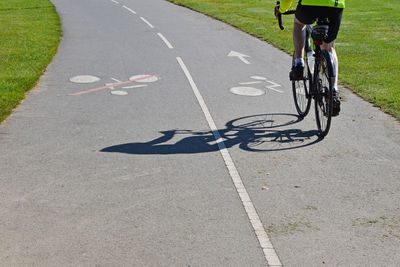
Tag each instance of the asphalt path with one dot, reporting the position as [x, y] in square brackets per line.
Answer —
[161, 137]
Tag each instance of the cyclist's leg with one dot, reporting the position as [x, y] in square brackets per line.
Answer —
[299, 38]
[336, 98]
[331, 48]
[304, 15]
[335, 18]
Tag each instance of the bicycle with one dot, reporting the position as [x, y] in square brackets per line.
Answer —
[319, 76]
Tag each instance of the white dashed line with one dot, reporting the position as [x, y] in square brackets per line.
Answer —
[130, 10]
[165, 41]
[148, 23]
[263, 239]
[116, 2]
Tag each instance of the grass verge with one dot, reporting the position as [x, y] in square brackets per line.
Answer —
[367, 44]
[29, 35]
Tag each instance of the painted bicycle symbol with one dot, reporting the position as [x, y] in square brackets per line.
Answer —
[246, 90]
[87, 79]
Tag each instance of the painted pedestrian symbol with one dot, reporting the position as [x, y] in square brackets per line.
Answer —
[246, 88]
[142, 79]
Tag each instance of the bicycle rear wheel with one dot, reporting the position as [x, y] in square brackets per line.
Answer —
[301, 91]
[324, 94]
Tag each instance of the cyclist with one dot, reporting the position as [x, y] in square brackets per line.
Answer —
[307, 12]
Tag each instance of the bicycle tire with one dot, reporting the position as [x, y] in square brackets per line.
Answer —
[301, 91]
[324, 93]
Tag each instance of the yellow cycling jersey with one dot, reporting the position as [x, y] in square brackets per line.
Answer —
[285, 4]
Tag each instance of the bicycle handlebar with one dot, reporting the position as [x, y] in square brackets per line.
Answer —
[289, 12]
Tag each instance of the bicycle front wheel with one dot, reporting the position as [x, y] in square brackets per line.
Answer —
[301, 91]
[324, 94]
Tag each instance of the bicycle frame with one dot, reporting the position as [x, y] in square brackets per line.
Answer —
[314, 55]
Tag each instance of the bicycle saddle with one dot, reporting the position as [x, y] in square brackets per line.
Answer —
[320, 32]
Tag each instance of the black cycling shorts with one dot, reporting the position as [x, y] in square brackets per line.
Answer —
[308, 15]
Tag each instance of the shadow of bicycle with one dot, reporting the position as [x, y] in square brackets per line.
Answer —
[256, 133]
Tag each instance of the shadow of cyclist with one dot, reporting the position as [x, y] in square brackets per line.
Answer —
[257, 133]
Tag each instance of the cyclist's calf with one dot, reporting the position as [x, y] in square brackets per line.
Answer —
[331, 48]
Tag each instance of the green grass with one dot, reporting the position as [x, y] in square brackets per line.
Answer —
[29, 35]
[368, 43]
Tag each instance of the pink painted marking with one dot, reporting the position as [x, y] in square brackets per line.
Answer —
[110, 85]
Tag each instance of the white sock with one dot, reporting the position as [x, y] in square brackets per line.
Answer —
[299, 62]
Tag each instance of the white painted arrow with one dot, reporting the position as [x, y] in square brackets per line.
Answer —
[239, 55]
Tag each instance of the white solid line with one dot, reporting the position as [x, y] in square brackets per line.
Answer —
[148, 23]
[165, 41]
[127, 8]
[265, 243]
